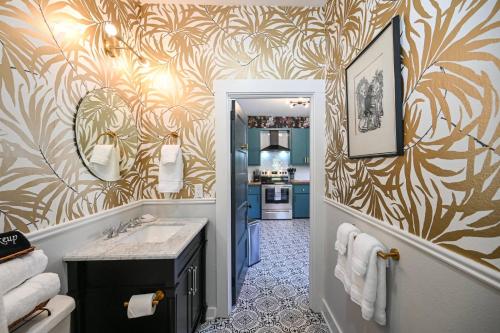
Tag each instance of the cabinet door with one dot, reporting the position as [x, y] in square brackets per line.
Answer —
[254, 210]
[254, 146]
[182, 302]
[299, 150]
[196, 292]
[301, 205]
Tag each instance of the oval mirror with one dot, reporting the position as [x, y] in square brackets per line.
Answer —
[106, 134]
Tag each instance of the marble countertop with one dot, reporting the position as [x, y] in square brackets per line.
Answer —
[117, 249]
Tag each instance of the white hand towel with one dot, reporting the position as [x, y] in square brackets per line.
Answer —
[169, 153]
[363, 246]
[140, 306]
[277, 193]
[374, 292]
[171, 175]
[343, 269]
[21, 300]
[101, 154]
[110, 170]
[343, 232]
[16, 271]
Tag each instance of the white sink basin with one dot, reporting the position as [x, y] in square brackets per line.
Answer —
[153, 234]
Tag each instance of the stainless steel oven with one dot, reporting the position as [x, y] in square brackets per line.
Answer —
[277, 201]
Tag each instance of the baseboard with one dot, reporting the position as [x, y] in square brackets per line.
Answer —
[332, 323]
[211, 313]
[464, 264]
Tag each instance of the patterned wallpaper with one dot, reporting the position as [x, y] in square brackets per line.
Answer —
[51, 56]
[445, 188]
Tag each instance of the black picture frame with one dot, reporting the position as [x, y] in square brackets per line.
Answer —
[398, 92]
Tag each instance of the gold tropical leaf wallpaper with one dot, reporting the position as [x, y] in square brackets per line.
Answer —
[445, 188]
[52, 55]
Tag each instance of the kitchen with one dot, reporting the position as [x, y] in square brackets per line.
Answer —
[278, 158]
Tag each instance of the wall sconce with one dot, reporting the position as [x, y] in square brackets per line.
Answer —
[112, 40]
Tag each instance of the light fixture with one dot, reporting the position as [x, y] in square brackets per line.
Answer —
[112, 40]
[299, 102]
[110, 29]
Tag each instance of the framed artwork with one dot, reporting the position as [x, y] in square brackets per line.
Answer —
[374, 97]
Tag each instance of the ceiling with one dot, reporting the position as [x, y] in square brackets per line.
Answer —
[272, 107]
[299, 3]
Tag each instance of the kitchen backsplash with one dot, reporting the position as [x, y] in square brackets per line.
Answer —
[277, 122]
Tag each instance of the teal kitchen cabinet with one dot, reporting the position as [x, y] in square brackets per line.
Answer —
[254, 202]
[299, 148]
[254, 146]
[301, 201]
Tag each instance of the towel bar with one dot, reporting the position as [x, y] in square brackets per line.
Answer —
[393, 253]
[159, 295]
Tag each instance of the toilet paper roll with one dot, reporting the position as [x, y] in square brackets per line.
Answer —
[141, 306]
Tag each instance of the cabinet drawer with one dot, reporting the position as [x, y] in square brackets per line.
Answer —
[300, 189]
[254, 189]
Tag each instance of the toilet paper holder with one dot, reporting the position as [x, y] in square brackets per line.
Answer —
[159, 296]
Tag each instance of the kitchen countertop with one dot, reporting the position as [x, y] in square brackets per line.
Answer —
[293, 182]
[114, 249]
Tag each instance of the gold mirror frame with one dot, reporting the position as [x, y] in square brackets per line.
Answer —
[103, 116]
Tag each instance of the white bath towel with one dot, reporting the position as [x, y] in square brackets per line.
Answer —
[16, 271]
[343, 232]
[374, 292]
[21, 300]
[106, 168]
[343, 269]
[169, 153]
[362, 250]
[368, 287]
[101, 154]
[171, 175]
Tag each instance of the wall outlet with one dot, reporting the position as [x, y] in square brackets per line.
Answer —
[198, 191]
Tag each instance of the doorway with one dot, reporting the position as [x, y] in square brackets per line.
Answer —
[228, 90]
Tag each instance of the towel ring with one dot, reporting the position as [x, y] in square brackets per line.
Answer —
[172, 136]
[109, 133]
[159, 296]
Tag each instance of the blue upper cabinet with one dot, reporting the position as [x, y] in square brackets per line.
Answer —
[254, 146]
[299, 149]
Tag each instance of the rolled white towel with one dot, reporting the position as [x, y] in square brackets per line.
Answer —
[101, 154]
[169, 153]
[16, 271]
[21, 300]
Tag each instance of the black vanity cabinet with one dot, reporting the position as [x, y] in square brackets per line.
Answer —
[100, 289]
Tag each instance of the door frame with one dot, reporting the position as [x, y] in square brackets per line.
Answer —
[225, 91]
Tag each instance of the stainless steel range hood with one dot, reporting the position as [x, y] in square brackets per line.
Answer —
[274, 140]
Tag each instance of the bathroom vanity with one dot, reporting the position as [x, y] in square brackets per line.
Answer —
[167, 256]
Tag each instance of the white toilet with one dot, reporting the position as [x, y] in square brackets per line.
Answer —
[59, 321]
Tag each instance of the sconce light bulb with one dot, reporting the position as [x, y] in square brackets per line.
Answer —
[110, 30]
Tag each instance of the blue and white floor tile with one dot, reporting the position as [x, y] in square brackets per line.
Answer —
[275, 294]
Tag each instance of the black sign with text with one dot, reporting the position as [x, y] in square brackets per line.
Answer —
[12, 242]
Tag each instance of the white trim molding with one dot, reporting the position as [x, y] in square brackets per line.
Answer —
[330, 320]
[464, 264]
[225, 90]
[57, 229]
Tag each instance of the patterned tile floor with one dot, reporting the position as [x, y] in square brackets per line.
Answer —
[274, 297]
